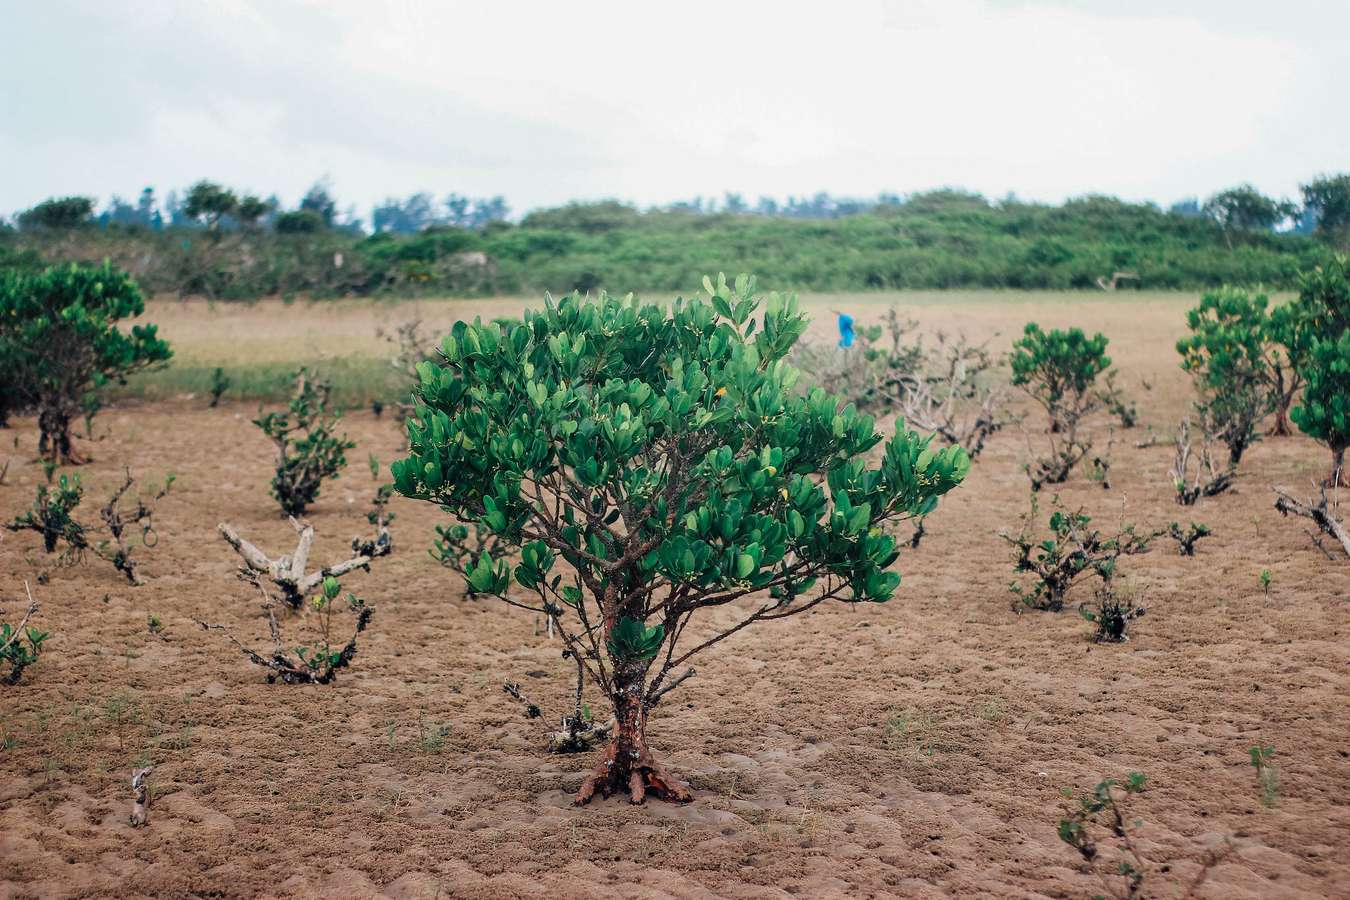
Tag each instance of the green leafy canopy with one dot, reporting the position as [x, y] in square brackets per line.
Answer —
[661, 446]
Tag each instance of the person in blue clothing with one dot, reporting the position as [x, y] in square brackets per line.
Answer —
[845, 329]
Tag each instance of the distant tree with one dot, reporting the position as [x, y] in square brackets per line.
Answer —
[1188, 208]
[58, 213]
[1244, 208]
[588, 218]
[319, 200]
[1327, 199]
[209, 203]
[175, 208]
[250, 211]
[733, 203]
[457, 210]
[405, 217]
[147, 213]
[489, 211]
[299, 221]
[118, 212]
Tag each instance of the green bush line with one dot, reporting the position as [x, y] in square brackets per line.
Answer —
[952, 242]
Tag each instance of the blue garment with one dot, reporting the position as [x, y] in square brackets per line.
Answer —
[845, 330]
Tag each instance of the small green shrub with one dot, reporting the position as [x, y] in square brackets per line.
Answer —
[1103, 815]
[1226, 356]
[60, 343]
[1325, 411]
[220, 383]
[1110, 613]
[51, 516]
[21, 644]
[1186, 539]
[1072, 550]
[318, 660]
[308, 448]
[1059, 370]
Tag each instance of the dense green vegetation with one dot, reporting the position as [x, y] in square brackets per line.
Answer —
[225, 247]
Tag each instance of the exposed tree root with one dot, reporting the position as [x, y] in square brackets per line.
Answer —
[140, 797]
[638, 777]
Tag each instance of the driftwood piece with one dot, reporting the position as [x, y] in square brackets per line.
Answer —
[1208, 480]
[1322, 513]
[287, 571]
[1115, 280]
[140, 797]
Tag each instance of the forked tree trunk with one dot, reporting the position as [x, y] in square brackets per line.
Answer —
[55, 443]
[627, 764]
[1338, 477]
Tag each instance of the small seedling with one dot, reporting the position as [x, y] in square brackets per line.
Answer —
[374, 462]
[308, 448]
[1117, 403]
[220, 383]
[1101, 815]
[1265, 581]
[431, 739]
[1186, 539]
[1265, 773]
[20, 645]
[155, 624]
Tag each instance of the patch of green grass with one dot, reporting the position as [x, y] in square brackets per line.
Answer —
[356, 380]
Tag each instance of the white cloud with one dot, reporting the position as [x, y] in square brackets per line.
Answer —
[545, 102]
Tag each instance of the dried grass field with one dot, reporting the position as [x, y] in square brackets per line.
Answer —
[911, 749]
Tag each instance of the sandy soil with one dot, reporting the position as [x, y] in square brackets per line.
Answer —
[914, 749]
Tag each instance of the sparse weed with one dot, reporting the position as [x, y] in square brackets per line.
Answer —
[1261, 758]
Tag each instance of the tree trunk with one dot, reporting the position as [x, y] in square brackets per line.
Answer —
[627, 764]
[1281, 428]
[1338, 477]
[55, 442]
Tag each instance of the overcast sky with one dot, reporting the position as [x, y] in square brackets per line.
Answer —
[653, 102]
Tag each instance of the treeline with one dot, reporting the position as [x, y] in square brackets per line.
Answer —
[215, 242]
